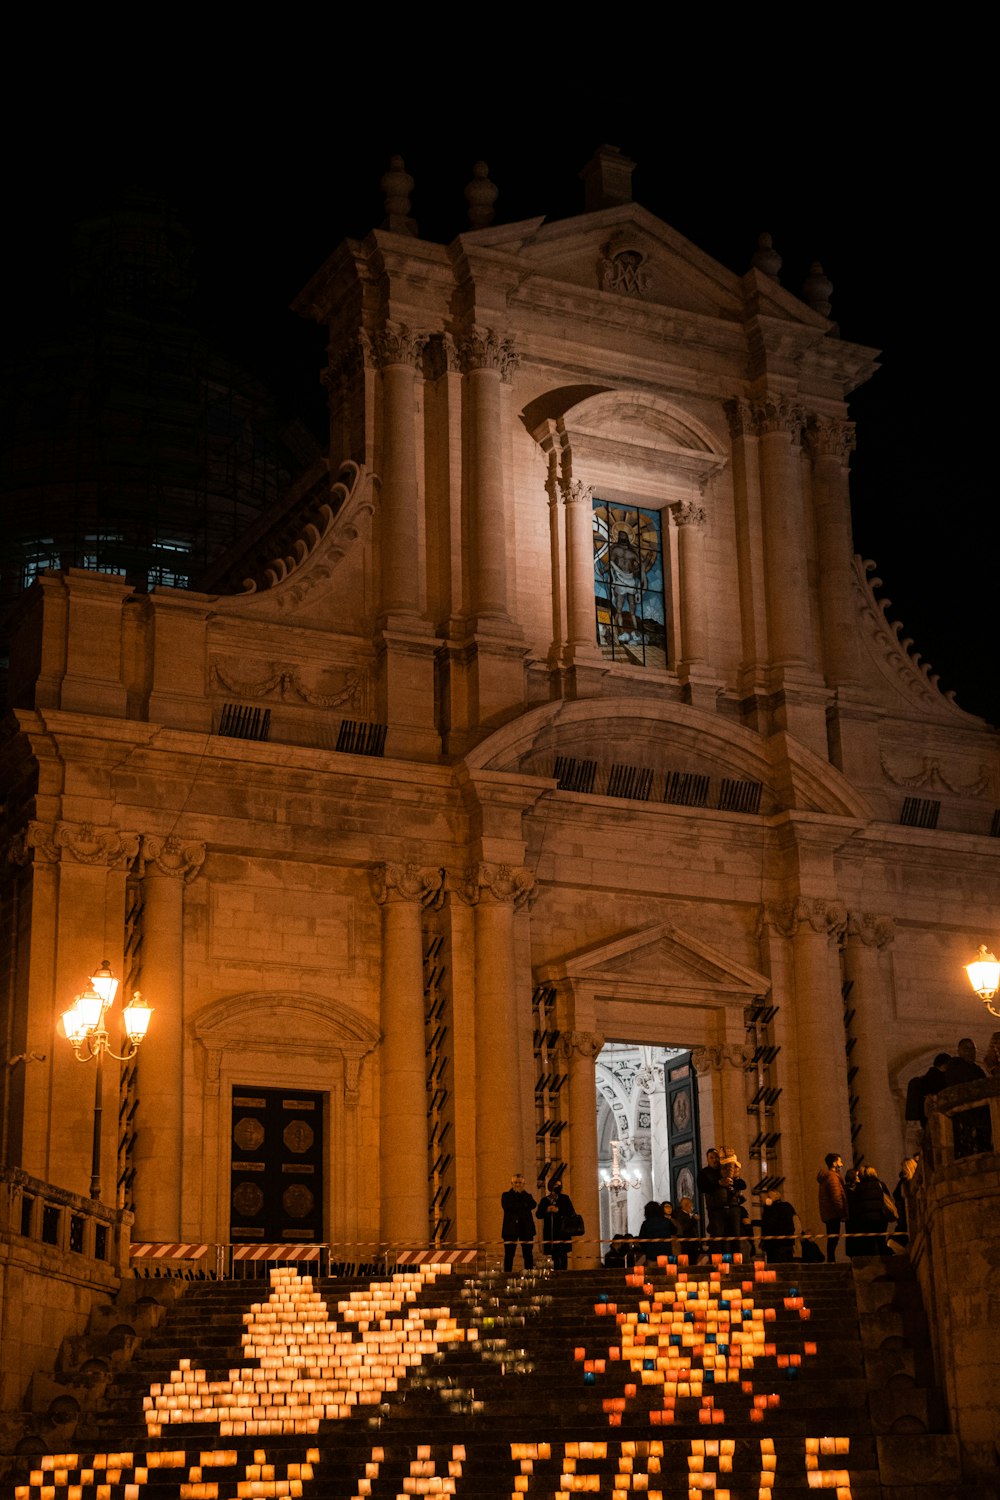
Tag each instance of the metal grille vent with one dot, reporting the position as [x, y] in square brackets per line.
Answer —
[575, 775]
[237, 721]
[919, 812]
[630, 781]
[686, 789]
[358, 737]
[739, 796]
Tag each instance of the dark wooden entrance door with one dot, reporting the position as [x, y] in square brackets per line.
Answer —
[682, 1124]
[276, 1188]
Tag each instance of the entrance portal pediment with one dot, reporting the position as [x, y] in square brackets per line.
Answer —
[658, 962]
[285, 1022]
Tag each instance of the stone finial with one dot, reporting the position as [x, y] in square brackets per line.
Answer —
[817, 290]
[765, 257]
[607, 179]
[480, 195]
[397, 185]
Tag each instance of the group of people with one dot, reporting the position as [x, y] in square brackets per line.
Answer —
[947, 1070]
[859, 1204]
[558, 1218]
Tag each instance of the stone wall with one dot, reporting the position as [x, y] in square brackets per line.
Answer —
[955, 1247]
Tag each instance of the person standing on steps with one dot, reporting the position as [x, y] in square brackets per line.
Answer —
[518, 1226]
[554, 1211]
[832, 1201]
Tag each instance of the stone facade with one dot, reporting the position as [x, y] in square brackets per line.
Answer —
[437, 745]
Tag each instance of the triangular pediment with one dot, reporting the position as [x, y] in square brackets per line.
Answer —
[626, 252]
[660, 961]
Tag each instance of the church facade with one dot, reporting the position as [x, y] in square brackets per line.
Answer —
[560, 715]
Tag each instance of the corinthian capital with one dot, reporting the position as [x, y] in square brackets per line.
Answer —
[485, 349]
[90, 845]
[396, 344]
[586, 1044]
[759, 417]
[827, 437]
[575, 492]
[172, 856]
[392, 882]
[871, 929]
[501, 884]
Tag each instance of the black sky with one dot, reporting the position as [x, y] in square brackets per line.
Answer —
[885, 182]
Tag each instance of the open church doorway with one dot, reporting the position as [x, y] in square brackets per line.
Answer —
[647, 1132]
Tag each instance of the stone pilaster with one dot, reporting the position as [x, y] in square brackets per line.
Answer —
[488, 358]
[880, 1136]
[403, 891]
[497, 892]
[579, 1050]
[168, 864]
[397, 352]
[830, 444]
[814, 928]
[577, 499]
[722, 1067]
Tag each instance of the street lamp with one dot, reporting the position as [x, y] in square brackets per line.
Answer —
[86, 1033]
[984, 976]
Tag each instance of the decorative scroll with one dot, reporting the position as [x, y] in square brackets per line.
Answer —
[90, 845]
[398, 882]
[723, 1055]
[326, 538]
[396, 344]
[504, 884]
[819, 913]
[585, 1044]
[932, 773]
[35, 843]
[903, 668]
[172, 856]
[872, 930]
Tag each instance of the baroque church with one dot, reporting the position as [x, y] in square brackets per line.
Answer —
[537, 785]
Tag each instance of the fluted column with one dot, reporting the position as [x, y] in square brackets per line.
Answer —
[579, 1049]
[487, 359]
[497, 892]
[689, 518]
[815, 927]
[880, 1136]
[830, 445]
[403, 891]
[167, 865]
[396, 351]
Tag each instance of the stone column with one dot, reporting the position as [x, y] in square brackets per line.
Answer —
[396, 351]
[777, 424]
[403, 891]
[580, 1049]
[651, 1080]
[497, 892]
[167, 865]
[815, 927]
[577, 501]
[880, 1136]
[487, 359]
[830, 446]
[689, 518]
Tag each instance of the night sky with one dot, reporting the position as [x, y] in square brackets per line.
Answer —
[895, 203]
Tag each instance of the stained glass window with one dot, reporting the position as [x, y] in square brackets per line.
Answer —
[628, 584]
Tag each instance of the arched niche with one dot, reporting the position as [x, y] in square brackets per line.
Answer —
[274, 1039]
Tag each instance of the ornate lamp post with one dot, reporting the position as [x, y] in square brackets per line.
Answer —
[86, 1033]
[984, 976]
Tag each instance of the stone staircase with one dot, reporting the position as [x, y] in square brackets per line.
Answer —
[735, 1380]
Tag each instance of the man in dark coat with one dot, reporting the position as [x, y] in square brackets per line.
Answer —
[655, 1233]
[554, 1211]
[777, 1228]
[832, 1201]
[518, 1226]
